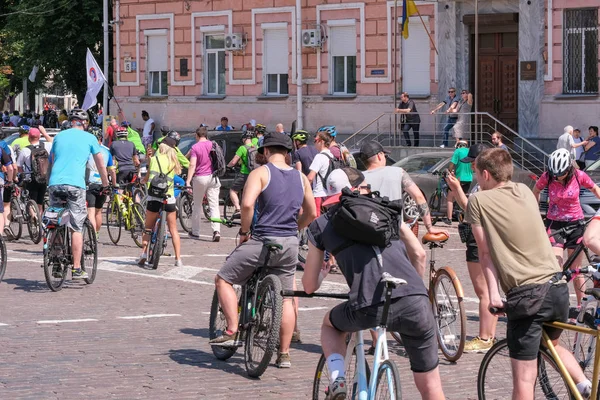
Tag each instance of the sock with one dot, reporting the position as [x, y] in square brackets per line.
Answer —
[335, 364]
[585, 387]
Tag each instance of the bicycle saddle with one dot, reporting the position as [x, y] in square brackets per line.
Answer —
[434, 238]
[593, 292]
[273, 246]
[388, 279]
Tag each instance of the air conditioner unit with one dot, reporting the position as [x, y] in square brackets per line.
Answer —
[234, 42]
[311, 38]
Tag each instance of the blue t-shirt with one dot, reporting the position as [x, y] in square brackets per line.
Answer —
[70, 152]
[5, 158]
[94, 176]
[592, 153]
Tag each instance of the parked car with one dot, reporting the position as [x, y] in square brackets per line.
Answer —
[424, 170]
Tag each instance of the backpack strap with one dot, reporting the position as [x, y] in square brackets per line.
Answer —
[324, 180]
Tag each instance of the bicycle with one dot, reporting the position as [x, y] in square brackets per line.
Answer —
[363, 384]
[122, 211]
[229, 210]
[438, 198]
[57, 250]
[260, 308]
[185, 207]
[158, 239]
[24, 210]
[446, 296]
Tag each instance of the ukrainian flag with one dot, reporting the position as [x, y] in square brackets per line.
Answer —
[408, 8]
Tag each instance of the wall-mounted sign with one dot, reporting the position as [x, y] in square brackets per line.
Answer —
[528, 70]
[377, 72]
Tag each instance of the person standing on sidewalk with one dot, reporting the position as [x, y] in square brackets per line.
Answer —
[449, 102]
[412, 119]
[497, 141]
[593, 147]
[200, 174]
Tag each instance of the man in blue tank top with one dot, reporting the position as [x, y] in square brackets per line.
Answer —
[279, 192]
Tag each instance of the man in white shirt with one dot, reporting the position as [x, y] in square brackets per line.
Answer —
[320, 167]
[565, 141]
[148, 129]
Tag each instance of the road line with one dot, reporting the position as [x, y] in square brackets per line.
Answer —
[38, 260]
[184, 272]
[312, 308]
[3, 324]
[205, 312]
[108, 266]
[215, 255]
[64, 321]
[150, 316]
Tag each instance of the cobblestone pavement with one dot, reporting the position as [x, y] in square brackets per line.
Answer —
[139, 334]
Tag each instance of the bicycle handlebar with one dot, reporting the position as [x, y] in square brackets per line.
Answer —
[300, 293]
[227, 222]
[568, 230]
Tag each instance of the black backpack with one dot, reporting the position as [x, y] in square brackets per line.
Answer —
[39, 163]
[159, 185]
[334, 164]
[217, 160]
[366, 219]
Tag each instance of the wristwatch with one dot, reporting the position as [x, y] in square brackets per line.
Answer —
[243, 233]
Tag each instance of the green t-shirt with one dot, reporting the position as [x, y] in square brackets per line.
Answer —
[255, 141]
[22, 142]
[134, 138]
[242, 153]
[463, 170]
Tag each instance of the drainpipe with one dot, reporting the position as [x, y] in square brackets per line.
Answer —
[299, 106]
[548, 77]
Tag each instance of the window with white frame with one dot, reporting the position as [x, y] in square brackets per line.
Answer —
[214, 64]
[275, 61]
[342, 59]
[416, 63]
[156, 62]
[580, 51]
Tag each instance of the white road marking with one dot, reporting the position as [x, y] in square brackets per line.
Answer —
[64, 321]
[184, 272]
[108, 266]
[312, 308]
[206, 312]
[150, 316]
[12, 259]
[3, 324]
[215, 255]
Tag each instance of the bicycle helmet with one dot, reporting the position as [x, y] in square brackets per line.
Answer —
[559, 162]
[461, 143]
[300, 135]
[164, 130]
[175, 136]
[329, 129]
[260, 128]
[78, 113]
[65, 125]
[121, 132]
[247, 135]
[96, 131]
[24, 129]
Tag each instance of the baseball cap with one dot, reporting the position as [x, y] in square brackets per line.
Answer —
[276, 140]
[169, 141]
[370, 148]
[339, 179]
[34, 133]
[473, 153]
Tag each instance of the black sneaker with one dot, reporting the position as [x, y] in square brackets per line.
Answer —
[446, 220]
[79, 274]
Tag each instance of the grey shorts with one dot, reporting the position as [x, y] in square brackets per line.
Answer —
[248, 256]
[75, 197]
[411, 316]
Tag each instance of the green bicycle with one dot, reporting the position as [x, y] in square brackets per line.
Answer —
[123, 212]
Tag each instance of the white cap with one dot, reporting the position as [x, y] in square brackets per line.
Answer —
[253, 122]
[337, 180]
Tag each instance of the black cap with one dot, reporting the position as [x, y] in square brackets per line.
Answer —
[370, 148]
[276, 139]
[169, 141]
[473, 152]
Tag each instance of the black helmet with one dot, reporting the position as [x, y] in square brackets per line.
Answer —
[175, 136]
[164, 130]
[78, 113]
[473, 152]
[96, 131]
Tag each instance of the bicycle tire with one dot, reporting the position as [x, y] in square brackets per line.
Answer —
[551, 382]
[228, 208]
[217, 325]
[206, 208]
[3, 256]
[158, 246]
[137, 224]
[89, 255]
[269, 305]
[34, 226]
[16, 219]
[113, 222]
[139, 196]
[434, 203]
[582, 345]
[388, 376]
[54, 271]
[321, 380]
[185, 207]
[448, 310]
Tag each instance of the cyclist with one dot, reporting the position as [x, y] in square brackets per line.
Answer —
[164, 160]
[304, 154]
[410, 311]
[280, 192]
[339, 151]
[68, 158]
[515, 252]
[241, 156]
[134, 137]
[564, 182]
[94, 195]
[22, 141]
[35, 185]
[8, 176]
[126, 156]
[320, 167]
[185, 163]
[260, 131]
[463, 173]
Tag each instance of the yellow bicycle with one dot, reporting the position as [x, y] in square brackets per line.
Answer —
[123, 212]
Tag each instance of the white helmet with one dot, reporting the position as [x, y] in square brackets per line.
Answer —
[559, 162]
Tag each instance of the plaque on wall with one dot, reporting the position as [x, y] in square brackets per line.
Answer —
[528, 70]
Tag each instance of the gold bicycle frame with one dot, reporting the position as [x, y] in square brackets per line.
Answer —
[563, 370]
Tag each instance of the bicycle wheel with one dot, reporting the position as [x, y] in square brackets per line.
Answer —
[113, 221]
[388, 382]
[321, 380]
[2, 258]
[449, 312]
[582, 346]
[206, 208]
[550, 381]
[302, 245]
[139, 196]
[34, 227]
[89, 255]
[228, 208]
[16, 219]
[262, 338]
[217, 325]
[55, 272]
[158, 246]
[435, 202]
[185, 207]
[137, 224]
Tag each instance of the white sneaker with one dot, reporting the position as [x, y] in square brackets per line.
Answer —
[442, 146]
[142, 260]
[178, 263]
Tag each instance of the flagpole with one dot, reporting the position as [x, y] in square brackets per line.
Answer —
[395, 71]
[427, 30]
[106, 73]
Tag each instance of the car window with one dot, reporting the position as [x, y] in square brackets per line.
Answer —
[186, 143]
[594, 167]
[419, 163]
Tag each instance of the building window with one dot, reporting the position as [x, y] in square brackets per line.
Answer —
[214, 64]
[416, 62]
[342, 61]
[157, 65]
[580, 51]
[275, 61]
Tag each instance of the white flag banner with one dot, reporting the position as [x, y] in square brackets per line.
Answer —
[33, 73]
[95, 80]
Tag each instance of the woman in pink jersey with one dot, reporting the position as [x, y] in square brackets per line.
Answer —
[564, 182]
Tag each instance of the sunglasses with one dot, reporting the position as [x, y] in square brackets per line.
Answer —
[463, 92]
[451, 91]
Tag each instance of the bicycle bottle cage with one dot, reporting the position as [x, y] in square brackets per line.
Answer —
[56, 216]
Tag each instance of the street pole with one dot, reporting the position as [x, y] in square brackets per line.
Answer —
[299, 106]
[106, 72]
[25, 95]
[476, 94]
[395, 71]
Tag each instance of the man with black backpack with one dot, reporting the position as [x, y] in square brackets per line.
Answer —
[246, 156]
[323, 164]
[33, 163]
